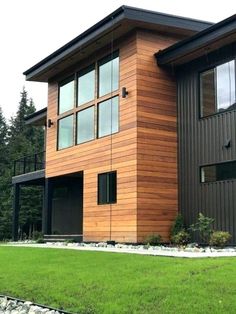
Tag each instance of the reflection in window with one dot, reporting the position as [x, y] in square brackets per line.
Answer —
[108, 77]
[218, 172]
[86, 86]
[217, 88]
[85, 125]
[108, 117]
[66, 97]
[65, 132]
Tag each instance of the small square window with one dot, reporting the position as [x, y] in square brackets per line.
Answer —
[107, 188]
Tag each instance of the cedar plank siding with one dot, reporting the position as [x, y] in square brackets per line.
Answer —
[143, 152]
[156, 140]
[116, 152]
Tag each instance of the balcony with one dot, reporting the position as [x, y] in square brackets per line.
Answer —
[29, 164]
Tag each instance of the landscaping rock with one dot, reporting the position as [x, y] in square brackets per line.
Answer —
[8, 306]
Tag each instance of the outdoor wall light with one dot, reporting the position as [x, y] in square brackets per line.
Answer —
[124, 92]
[50, 123]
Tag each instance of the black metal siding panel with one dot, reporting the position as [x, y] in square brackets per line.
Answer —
[201, 141]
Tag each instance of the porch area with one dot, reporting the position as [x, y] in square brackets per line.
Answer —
[62, 210]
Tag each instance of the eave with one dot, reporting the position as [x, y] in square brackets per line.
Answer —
[120, 22]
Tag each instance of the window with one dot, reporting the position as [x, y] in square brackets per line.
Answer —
[218, 172]
[66, 96]
[107, 188]
[95, 92]
[217, 89]
[108, 77]
[65, 132]
[86, 86]
[108, 112]
[85, 125]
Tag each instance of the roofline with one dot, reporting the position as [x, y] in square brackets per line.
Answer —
[188, 45]
[36, 116]
[123, 12]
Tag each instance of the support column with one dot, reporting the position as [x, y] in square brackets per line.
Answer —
[16, 208]
[47, 207]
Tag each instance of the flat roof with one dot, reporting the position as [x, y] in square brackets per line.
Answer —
[214, 37]
[121, 21]
[37, 118]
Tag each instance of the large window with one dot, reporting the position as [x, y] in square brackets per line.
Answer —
[217, 89]
[65, 132]
[85, 125]
[95, 90]
[107, 186]
[66, 96]
[108, 117]
[218, 172]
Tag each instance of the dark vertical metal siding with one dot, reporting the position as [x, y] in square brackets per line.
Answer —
[201, 141]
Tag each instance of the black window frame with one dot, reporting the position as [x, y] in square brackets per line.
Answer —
[108, 194]
[212, 165]
[213, 67]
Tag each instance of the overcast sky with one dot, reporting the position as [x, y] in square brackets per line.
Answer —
[32, 29]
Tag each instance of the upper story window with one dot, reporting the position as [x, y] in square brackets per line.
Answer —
[108, 77]
[86, 86]
[66, 96]
[65, 132]
[217, 89]
[95, 91]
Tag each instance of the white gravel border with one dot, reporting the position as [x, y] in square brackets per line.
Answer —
[188, 252]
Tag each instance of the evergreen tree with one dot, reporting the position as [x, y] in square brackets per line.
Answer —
[16, 141]
[5, 181]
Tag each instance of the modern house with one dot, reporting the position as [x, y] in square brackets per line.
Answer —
[140, 124]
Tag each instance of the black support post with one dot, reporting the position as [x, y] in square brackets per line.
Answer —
[16, 208]
[47, 207]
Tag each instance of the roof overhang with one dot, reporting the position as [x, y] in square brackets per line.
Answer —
[200, 44]
[120, 22]
[38, 118]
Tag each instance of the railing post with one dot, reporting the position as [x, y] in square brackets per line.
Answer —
[24, 165]
[16, 207]
[35, 162]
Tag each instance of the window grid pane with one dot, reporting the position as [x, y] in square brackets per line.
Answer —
[85, 125]
[108, 117]
[108, 77]
[65, 132]
[86, 87]
[66, 97]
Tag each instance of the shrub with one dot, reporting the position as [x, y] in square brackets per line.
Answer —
[37, 235]
[40, 241]
[219, 238]
[181, 238]
[153, 239]
[177, 226]
[204, 227]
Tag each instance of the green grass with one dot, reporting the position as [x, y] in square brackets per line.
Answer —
[96, 282]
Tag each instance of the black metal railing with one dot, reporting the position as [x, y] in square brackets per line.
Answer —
[29, 163]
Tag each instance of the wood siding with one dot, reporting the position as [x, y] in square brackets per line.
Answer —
[156, 140]
[143, 152]
[116, 152]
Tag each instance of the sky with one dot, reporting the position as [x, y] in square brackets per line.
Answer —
[30, 30]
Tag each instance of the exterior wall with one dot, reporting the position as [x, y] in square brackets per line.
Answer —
[116, 152]
[144, 152]
[201, 142]
[157, 139]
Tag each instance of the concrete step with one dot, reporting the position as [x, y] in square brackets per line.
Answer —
[62, 237]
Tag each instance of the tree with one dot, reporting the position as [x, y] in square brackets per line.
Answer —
[16, 141]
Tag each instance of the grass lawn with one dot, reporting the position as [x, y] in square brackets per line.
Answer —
[97, 282]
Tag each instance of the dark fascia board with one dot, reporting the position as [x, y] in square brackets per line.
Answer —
[122, 13]
[200, 40]
[29, 178]
[37, 118]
